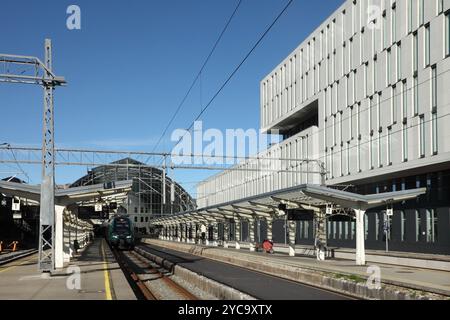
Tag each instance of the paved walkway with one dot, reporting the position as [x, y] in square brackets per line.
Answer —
[100, 278]
[416, 278]
[433, 280]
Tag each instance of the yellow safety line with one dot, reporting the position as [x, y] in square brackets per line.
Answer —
[17, 265]
[106, 276]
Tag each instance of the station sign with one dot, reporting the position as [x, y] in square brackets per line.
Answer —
[17, 215]
[300, 215]
[15, 204]
[98, 207]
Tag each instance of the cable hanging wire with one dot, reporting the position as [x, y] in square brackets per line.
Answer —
[197, 76]
[236, 69]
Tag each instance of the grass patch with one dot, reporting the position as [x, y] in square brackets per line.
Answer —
[352, 277]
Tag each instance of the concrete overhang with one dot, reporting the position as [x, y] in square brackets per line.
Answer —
[65, 197]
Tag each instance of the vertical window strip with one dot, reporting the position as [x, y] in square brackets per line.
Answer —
[416, 53]
[422, 136]
[399, 61]
[389, 146]
[416, 96]
[427, 45]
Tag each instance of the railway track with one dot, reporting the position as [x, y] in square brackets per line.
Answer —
[5, 259]
[148, 280]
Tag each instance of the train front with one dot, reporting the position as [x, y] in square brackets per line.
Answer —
[122, 233]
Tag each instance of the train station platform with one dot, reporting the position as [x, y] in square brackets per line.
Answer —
[310, 270]
[91, 275]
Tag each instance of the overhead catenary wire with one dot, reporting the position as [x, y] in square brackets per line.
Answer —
[198, 76]
[236, 69]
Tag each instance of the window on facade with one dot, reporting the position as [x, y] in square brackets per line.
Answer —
[388, 67]
[306, 229]
[432, 225]
[421, 12]
[331, 164]
[405, 142]
[389, 146]
[359, 154]
[447, 34]
[334, 131]
[142, 219]
[422, 136]
[334, 230]
[385, 30]
[366, 82]
[350, 123]
[371, 151]
[394, 24]
[415, 53]
[405, 100]
[374, 76]
[410, 15]
[394, 105]
[435, 133]
[346, 233]
[434, 86]
[434, 118]
[348, 158]
[418, 225]
[427, 45]
[353, 229]
[402, 226]
[135, 210]
[371, 101]
[377, 226]
[329, 229]
[366, 226]
[416, 96]
[135, 219]
[399, 61]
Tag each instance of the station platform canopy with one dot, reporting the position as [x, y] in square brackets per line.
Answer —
[114, 191]
[321, 201]
[306, 197]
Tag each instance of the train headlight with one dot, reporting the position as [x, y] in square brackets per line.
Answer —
[115, 236]
[129, 237]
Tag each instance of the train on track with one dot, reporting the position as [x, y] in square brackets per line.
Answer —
[119, 232]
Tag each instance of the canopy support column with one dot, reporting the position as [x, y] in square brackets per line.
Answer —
[215, 234]
[292, 225]
[251, 233]
[360, 249]
[237, 233]
[320, 241]
[226, 233]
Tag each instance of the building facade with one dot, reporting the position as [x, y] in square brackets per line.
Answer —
[146, 200]
[365, 97]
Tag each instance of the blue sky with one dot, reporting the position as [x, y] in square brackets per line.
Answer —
[132, 62]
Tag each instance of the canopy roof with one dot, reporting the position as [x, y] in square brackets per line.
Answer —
[307, 196]
[115, 191]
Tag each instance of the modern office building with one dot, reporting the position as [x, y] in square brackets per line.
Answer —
[366, 97]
